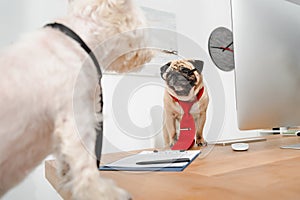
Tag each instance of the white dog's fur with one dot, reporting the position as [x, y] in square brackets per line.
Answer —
[37, 79]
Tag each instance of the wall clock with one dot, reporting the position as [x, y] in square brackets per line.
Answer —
[220, 46]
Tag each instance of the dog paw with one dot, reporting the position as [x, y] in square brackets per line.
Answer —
[122, 194]
[117, 193]
[173, 142]
[201, 142]
[103, 189]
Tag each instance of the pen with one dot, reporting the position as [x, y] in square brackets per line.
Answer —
[176, 160]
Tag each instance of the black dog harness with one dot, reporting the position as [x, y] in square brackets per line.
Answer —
[69, 32]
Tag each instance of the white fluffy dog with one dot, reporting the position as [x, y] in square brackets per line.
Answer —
[38, 95]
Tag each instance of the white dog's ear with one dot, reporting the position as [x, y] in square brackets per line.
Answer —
[198, 64]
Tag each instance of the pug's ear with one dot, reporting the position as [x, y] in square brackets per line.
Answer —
[163, 70]
[198, 64]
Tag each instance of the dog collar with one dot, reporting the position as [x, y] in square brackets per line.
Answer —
[199, 95]
[69, 32]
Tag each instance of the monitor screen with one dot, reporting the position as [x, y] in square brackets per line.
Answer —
[266, 36]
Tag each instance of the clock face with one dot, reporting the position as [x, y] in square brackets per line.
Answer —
[220, 46]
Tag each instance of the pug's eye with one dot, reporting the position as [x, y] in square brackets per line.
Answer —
[184, 70]
[191, 72]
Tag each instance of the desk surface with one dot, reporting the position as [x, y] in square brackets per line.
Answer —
[263, 172]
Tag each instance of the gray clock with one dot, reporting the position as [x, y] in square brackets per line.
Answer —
[220, 46]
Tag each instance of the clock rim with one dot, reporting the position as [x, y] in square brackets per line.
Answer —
[210, 54]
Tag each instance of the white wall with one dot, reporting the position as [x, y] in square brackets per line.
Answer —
[16, 18]
[195, 19]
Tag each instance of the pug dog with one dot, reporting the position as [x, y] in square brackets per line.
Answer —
[184, 82]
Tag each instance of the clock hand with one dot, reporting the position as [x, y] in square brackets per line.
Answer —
[217, 47]
[227, 46]
[227, 49]
[223, 48]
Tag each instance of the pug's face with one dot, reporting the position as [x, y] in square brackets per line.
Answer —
[182, 76]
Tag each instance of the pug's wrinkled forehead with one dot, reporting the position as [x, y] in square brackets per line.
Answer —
[179, 65]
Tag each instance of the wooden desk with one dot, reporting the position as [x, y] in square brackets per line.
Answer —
[263, 172]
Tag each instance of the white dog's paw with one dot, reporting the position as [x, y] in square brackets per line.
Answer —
[119, 194]
[104, 189]
[113, 192]
[110, 191]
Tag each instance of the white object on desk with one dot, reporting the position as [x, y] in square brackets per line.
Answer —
[131, 163]
[241, 140]
[291, 146]
[240, 146]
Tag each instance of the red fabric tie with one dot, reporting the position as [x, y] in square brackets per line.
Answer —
[187, 125]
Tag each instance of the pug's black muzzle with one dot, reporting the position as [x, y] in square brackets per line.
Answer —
[180, 83]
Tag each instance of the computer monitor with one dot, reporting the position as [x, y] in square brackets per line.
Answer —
[266, 36]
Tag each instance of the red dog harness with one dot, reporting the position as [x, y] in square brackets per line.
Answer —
[187, 124]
